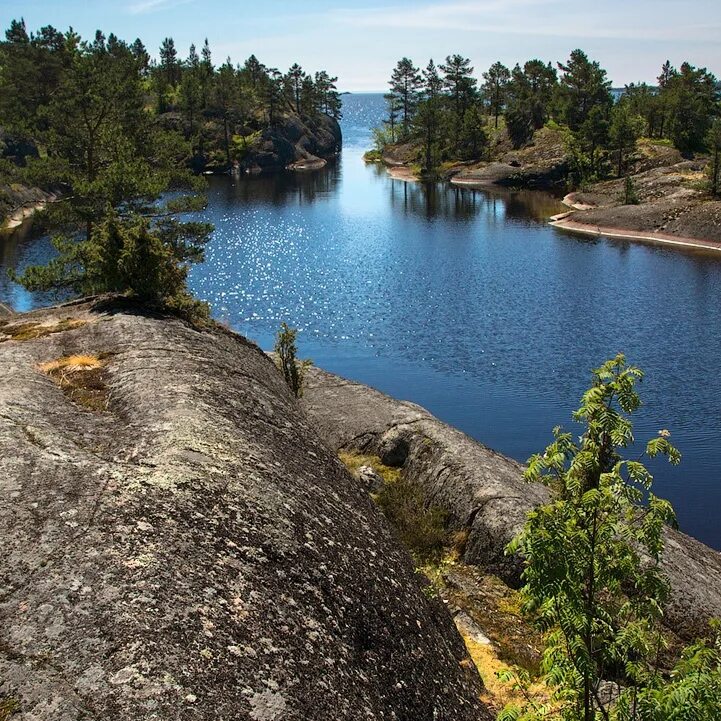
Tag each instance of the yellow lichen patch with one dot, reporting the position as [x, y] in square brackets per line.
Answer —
[81, 378]
[420, 527]
[10, 331]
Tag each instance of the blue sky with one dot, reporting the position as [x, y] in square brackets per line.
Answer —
[360, 42]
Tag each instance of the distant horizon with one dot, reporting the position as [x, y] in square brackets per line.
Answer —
[361, 43]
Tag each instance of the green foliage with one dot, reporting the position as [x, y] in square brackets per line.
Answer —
[432, 111]
[405, 86]
[495, 85]
[583, 85]
[591, 579]
[127, 256]
[112, 165]
[713, 140]
[624, 131]
[690, 100]
[286, 351]
[693, 692]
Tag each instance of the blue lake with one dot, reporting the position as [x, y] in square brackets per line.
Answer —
[466, 302]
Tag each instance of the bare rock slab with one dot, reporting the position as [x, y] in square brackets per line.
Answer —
[191, 549]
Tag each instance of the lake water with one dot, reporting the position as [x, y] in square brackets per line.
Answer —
[466, 302]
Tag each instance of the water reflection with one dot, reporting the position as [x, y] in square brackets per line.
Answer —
[447, 201]
[280, 188]
[23, 246]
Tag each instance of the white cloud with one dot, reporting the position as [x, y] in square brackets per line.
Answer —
[551, 18]
[150, 6]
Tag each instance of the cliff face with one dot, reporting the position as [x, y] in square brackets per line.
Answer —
[178, 543]
[483, 491]
[296, 144]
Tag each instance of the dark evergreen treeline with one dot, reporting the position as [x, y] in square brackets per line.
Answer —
[112, 131]
[451, 116]
[242, 99]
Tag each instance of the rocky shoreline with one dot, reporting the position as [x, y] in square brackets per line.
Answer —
[201, 551]
[296, 145]
[670, 207]
[18, 204]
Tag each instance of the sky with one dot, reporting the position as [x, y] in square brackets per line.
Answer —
[360, 42]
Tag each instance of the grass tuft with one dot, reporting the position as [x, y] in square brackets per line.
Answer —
[421, 527]
[8, 707]
[81, 378]
[10, 331]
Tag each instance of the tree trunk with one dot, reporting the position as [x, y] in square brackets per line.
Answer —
[227, 139]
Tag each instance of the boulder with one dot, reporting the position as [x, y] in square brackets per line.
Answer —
[178, 543]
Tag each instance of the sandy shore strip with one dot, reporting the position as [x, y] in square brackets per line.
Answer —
[624, 234]
[402, 172]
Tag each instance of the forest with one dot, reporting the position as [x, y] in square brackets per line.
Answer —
[449, 115]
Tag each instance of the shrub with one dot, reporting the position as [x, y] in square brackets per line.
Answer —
[286, 351]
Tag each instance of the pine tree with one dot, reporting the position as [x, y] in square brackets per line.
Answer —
[713, 140]
[624, 132]
[460, 84]
[495, 88]
[405, 88]
[169, 62]
[582, 86]
[294, 85]
[428, 117]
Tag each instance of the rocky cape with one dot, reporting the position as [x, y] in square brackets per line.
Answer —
[671, 208]
[17, 201]
[483, 491]
[294, 142]
[179, 543]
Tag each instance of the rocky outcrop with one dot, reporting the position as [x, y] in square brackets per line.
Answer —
[178, 543]
[543, 164]
[295, 144]
[483, 491]
[17, 200]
